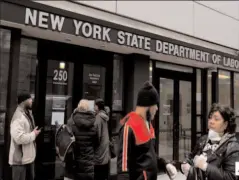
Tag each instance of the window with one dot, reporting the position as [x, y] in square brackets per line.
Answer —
[236, 98]
[117, 84]
[209, 91]
[27, 66]
[236, 93]
[117, 104]
[5, 37]
[199, 92]
[224, 87]
[150, 70]
[199, 101]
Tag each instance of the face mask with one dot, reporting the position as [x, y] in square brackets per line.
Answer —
[213, 135]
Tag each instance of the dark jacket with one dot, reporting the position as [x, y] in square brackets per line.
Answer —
[85, 145]
[102, 154]
[136, 156]
[221, 163]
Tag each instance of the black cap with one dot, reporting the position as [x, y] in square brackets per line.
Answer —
[23, 97]
[100, 103]
[147, 95]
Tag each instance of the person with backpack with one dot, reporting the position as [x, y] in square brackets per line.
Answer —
[80, 163]
[102, 154]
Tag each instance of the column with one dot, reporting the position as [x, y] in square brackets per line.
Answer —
[136, 72]
[12, 94]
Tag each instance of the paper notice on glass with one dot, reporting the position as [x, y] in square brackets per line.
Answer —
[166, 110]
[91, 105]
[57, 118]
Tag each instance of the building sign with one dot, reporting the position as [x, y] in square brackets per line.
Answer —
[155, 43]
[60, 77]
[92, 74]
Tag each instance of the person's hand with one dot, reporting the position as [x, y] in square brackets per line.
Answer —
[37, 131]
[172, 171]
[200, 162]
[185, 168]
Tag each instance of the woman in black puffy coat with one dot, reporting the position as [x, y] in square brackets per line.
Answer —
[215, 154]
[82, 167]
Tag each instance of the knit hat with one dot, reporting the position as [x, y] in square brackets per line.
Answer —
[100, 103]
[23, 97]
[147, 95]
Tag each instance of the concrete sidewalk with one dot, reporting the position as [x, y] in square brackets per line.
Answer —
[165, 177]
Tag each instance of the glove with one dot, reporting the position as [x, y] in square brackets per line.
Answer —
[172, 171]
[185, 168]
[200, 162]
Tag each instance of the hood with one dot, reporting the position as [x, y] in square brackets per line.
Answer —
[103, 115]
[85, 119]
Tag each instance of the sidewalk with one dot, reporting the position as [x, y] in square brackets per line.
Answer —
[113, 170]
[165, 177]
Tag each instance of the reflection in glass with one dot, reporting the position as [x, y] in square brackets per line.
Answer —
[115, 124]
[58, 109]
[199, 92]
[5, 36]
[150, 71]
[224, 87]
[198, 124]
[94, 82]
[237, 122]
[117, 84]
[185, 116]
[236, 93]
[209, 91]
[166, 118]
[27, 66]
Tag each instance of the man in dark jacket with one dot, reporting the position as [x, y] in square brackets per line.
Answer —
[102, 154]
[137, 158]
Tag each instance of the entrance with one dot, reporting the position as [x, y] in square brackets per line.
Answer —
[175, 128]
[62, 99]
[64, 81]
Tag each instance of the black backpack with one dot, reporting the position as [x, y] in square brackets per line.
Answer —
[64, 139]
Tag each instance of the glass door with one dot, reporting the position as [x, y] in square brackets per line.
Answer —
[166, 121]
[175, 117]
[185, 115]
[58, 108]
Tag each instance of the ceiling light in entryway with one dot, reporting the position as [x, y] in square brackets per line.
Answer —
[62, 65]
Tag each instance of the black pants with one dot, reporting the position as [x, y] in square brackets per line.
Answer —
[102, 172]
[23, 172]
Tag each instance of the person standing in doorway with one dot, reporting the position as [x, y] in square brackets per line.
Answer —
[102, 154]
[137, 158]
[23, 134]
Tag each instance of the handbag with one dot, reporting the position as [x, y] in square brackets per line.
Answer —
[195, 174]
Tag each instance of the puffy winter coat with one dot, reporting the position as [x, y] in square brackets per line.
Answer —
[87, 140]
[102, 155]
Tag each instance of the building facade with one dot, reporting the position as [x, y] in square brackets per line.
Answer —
[62, 51]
